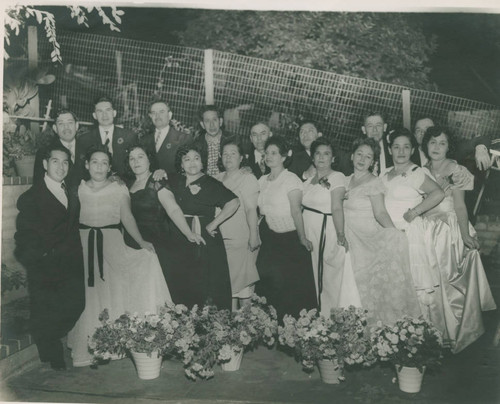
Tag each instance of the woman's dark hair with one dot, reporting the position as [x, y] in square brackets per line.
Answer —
[234, 142]
[282, 146]
[153, 162]
[399, 132]
[182, 151]
[367, 141]
[98, 149]
[435, 131]
[323, 141]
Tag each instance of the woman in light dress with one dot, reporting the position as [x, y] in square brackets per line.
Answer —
[406, 185]
[240, 231]
[118, 278]
[324, 226]
[465, 289]
[284, 260]
[379, 251]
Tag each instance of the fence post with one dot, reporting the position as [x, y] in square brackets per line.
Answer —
[209, 76]
[405, 95]
[32, 65]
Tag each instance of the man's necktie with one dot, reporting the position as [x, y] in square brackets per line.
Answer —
[65, 189]
[106, 143]
[157, 140]
[262, 164]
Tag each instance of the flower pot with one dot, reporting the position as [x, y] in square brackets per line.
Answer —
[330, 371]
[148, 367]
[234, 363]
[409, 379]
[25, 166]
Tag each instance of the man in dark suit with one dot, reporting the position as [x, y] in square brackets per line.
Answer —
[259, 133]
[302, 165]
[165, 140]
[212, 140]
[116, 139]
[48, 245]
[66, 126]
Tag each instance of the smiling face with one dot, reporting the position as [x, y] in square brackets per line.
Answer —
[374, 127]
[160, 114]
[323, 157]
[191, 163]
[57, 165]
[273, 157]
[308, 133]
[66, 127]
[259, 135]
[401, 150]
[138, 161]
[98, 166]
[231, 158]
[420, 127]
[362, 158]
[104, 113]
[211, 122]
[438, 147]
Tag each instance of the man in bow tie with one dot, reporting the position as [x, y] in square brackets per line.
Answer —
[48, 245]
[116, 139]
[165, 140]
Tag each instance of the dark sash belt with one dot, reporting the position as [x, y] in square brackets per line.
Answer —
[100, 255]
[321, 251]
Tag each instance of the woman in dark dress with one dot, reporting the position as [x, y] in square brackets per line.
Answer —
[201, 271]
[151, 202]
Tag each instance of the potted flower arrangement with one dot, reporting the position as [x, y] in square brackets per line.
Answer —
[146, 337]
[331, 342]
[412, 345]
[224, 336]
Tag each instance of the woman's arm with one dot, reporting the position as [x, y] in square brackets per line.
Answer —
[337, 204]
[227, 211]
[130, 224]
[379, 210]
[434, 196]
[250, 207]
[167, 200]
[463, 218]
[295, 199]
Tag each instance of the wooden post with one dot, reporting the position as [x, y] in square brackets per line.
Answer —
[32, 65]
[209, 76]
[405, 95]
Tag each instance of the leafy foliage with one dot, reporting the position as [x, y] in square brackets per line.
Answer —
[386, 47]
[18, 16]
[12, 279]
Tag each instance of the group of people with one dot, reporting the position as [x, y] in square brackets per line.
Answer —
[125, 222]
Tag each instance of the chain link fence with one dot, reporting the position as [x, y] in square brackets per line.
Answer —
[246, 89]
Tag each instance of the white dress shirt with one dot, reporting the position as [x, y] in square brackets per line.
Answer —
[71, 147]
[160, 135]
[108, 135]
[56, 189]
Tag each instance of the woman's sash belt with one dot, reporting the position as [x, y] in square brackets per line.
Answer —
[321, 250]
[100, 256]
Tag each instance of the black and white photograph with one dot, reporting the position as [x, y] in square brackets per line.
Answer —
[235, 202]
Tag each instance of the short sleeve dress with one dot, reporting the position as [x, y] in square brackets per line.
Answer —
[284, 264]
[199, 273]
[236, 234]
[380, 258]
[130, 280]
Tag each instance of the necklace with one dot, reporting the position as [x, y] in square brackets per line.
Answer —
[356, 181]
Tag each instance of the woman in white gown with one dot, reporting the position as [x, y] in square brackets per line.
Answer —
[380, 258]
[465, 289]
[324, 226]
[406, 185]
[118, 278]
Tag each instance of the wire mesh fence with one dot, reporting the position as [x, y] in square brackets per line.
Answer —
[246, 89]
